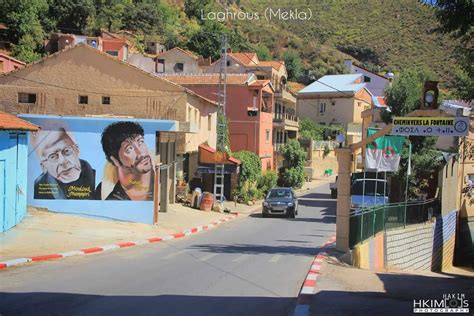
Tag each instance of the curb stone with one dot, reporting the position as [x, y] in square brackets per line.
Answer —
[95, 250]
[303, 303]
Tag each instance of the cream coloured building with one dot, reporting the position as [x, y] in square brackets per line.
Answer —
[336, 100]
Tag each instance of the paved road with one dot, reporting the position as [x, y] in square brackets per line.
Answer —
[250, 266]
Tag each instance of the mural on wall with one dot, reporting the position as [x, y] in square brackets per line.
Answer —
[127, 175]
[64, 174]
[101, 167]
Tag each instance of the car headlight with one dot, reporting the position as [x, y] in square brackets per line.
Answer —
[290, 204]
[265, 203]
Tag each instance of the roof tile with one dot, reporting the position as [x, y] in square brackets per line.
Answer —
[11, 122]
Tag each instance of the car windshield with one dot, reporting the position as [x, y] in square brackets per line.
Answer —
[279, 193]
[358, 188]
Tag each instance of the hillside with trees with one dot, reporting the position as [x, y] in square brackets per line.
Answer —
[382, 35]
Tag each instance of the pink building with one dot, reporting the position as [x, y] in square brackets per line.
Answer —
[248, 110]
[8, 63]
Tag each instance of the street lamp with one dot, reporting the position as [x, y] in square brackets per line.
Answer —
[340, 139]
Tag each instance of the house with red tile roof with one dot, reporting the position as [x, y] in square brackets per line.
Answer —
[285, 121]
[8, 63]
[249, 109]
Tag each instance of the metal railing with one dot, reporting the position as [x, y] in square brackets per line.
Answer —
[365, 223]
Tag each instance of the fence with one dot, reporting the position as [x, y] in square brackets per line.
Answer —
[365, 223]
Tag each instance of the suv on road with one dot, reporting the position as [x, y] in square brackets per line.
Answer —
[280, 201]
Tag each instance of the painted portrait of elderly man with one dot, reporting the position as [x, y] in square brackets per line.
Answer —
[128, 174]
[64, 175]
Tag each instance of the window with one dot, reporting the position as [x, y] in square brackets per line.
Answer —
[112, 53]
[179, 67]
[105, 100]
[196, 116]
[359, 103]
[209, 122]
[366, 79]
[322, 108]
[83, 99]
[26, 97]
[160, 65]
[228, 63]
[189, 114]
[267, 136]
[333, 103]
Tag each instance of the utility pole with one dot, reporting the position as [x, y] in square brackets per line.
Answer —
[219, 169]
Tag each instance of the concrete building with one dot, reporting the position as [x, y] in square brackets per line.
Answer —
[376, 83]
[336, 100]
[249, 109]
[177, 60]
[112, 45]
[285, 120]
[13, 168]
[83, 82]
[8, 63]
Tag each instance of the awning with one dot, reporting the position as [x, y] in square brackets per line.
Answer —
[208, 155]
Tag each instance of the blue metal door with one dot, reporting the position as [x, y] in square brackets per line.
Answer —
[3, 195]
[13, 162]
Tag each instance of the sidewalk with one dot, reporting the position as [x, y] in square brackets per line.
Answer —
[346, 290]
[43, 232]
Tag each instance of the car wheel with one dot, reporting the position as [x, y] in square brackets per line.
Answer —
[296, 212]
[291, 214]
[264, 215]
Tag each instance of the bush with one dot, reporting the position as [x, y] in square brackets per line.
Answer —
[292, 172]
[251, 167]
[267, 181]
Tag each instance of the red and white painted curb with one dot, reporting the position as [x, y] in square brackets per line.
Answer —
[303, 302]
[93, 250]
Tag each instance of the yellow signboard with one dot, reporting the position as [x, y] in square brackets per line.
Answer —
[424, 121]
[430, 126]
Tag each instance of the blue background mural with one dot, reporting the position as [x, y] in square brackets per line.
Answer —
[88, 183]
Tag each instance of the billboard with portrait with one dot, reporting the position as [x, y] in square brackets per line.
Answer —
[94, 166]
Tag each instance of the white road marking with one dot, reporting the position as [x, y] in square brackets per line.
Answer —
[275, 258]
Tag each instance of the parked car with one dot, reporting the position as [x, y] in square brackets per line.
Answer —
[368, 192]
[280, 201]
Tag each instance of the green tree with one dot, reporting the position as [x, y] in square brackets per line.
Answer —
[251, 167]
[144, 18]
[403, 97]
[207, 41]
[24, 19]
[193, 8]
[456, 18]
[263, 52]
[292, 172]
[293, 64]
[72, 16]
